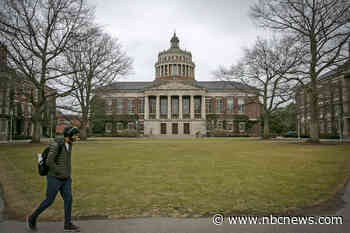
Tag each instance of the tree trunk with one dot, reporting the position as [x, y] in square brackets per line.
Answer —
[266, 126]
[83, 132]
[314, 123]
[36, 132]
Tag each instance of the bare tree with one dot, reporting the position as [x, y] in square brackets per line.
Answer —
[265, 67]
[321, 27]
[36, 34]
[98, 60]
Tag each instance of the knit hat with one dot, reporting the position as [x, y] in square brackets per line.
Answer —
[70, 132]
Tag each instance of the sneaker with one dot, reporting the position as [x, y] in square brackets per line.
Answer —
[31, 224]
[71, 228]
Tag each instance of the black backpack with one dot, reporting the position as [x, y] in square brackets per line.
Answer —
[43, 168]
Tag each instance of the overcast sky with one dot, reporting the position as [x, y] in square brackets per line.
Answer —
[214, 31]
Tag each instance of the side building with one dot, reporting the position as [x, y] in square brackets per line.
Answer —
[16, 97]
[334, 104]
[175, 104]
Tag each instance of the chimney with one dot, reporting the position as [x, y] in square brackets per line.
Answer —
[3, 56]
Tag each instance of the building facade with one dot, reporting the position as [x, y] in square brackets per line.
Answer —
[16, 108]
[175, 104]
[333, 102]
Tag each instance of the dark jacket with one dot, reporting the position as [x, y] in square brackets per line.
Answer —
[59, 164]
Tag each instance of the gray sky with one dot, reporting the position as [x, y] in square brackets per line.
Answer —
[214, 31]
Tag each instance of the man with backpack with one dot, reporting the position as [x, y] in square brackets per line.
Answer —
[58, 179]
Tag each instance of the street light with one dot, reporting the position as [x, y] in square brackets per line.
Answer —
[11, 116]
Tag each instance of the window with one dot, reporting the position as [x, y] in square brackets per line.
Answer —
[229, 106]
[197, 104]
[120, 126]
[208, 105]
[152, 104]
[2, 93]
[131, 125]
[219, 105]
[141, 106]
[240, 105]
[3, 124]
[108, 127]
[229, 125]
[174, 71]
[186, 105]
[162, 128]
[109, 104]
[175, 128]
[141, 126]
[163, 105]
[242, 127]
[131, 108]
[174, 105]
[29, 109]
[186, 128]
[120, 105]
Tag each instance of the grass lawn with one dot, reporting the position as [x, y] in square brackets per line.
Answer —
[179, 177]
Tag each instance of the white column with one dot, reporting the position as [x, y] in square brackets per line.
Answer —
[203, 108]
[158, 108]
[169, 107]
[180, 107]
[146, 108]
[192, 107]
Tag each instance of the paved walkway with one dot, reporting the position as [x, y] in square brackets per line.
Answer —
[174, 225]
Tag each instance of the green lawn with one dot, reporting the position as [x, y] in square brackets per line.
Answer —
[180, 177]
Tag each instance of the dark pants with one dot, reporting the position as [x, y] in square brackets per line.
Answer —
[53, 186]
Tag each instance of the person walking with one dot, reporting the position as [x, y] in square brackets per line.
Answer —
[58, 179]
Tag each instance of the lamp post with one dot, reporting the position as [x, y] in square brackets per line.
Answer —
[340, 124]
[11, 125]
[298, 130]
[340, 129]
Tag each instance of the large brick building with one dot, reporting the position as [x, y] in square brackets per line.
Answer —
[176, 104]
[16, 109]
[334, 103]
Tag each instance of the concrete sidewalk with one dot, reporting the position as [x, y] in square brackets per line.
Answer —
[175, 225]
[172, 225]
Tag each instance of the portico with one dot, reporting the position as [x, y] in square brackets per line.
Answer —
[174, 109]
